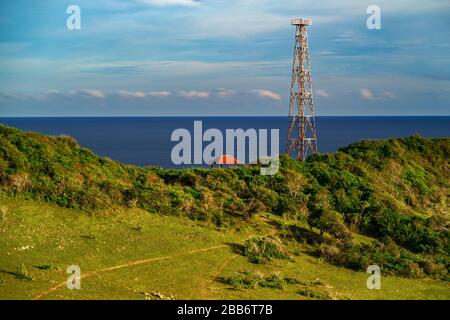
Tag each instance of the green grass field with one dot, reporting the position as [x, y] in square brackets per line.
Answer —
[163, 257]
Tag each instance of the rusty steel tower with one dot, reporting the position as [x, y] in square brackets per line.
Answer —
[302, 138]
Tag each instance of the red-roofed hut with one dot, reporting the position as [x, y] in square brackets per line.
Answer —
[225, 159]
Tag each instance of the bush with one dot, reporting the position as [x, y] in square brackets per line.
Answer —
[314, 294]
[247, 280]
[241, 280]
[23, 273]
[234, 206]
[391, 258]
[416, 178]
[433, 269]
[275, 280]
[19, 182]
[260, 250]
[3, 212]
[49, 267]
[331, 222]
[218, 219]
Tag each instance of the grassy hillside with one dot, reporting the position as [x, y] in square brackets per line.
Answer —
[373, 202]
[182, 260]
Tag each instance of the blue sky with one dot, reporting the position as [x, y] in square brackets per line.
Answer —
[221, 57]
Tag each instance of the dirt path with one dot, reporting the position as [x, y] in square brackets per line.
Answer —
[139, 262]
[129, 264]
[209, 284]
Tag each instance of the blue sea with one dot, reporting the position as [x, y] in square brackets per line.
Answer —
[146, 141]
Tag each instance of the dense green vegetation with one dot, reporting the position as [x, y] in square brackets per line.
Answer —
[395, 191]
[179, 259]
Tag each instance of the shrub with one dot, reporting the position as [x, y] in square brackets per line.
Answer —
[260, 250]
[234, 206]
[265, 196]
[3, 212]
[331, 222]
[23, 273]
[433, 269]
[67, 140]
[275, 280]
[391, 258]
[241, 280]
[329, 252]
[314, 294]
[198, 216]
[247, 280]
[19, 182]
[47, 267]
[416, 178]
[217, 219]
[182, 202]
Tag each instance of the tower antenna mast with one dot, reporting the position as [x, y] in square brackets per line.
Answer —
[302, 138]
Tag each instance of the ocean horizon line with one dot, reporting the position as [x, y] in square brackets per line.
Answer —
[226, 116]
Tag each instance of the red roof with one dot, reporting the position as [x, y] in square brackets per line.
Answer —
[226, 159]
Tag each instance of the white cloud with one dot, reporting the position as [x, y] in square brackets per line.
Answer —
[31, 96]
[165, 3]
[128, 94]
[321, 93]
[88, 93]
[222, 92]
[84, 93]
[141, 95]
[159, 94]
[263, 93]
[194, 94]
[13, 96]
[46, 95]
[369, 95]
[366, 94]
[388, 94]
